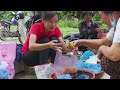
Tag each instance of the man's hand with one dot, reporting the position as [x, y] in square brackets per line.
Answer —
[100, 54]
[76, 43]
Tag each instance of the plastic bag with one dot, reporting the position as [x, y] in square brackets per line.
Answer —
[44, 71]
[86, 55]
[95, 68]
[7, 58]
[62, 62]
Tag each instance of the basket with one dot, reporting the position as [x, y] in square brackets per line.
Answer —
[76, 74]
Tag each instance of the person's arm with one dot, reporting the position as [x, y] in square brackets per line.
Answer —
[97, 28]
[33, 46]
[93, 50]
[94, 43]
[112, 53]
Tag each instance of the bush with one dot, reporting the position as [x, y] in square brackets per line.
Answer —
[101, 24]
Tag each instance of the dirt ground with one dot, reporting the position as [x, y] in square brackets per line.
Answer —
[23, 75]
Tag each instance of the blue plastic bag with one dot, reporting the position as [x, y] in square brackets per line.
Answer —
[95, 68]
[86, 55]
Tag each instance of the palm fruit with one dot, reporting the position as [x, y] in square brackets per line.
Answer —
[70, 45]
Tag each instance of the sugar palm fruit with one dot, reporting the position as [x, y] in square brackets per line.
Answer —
[70, 45]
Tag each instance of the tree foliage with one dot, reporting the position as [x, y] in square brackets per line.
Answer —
[63, 15]
[7, 15]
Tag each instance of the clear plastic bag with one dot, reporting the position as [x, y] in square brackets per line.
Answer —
[44, 71]
[63, 61]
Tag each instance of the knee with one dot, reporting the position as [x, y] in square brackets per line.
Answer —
[44, 40]
[54, 38]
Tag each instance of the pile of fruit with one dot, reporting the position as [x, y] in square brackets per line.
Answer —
[70, 45]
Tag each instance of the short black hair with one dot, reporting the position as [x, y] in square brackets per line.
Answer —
[47, 15]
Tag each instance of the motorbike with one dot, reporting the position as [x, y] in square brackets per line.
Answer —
[71, 37]
[19, 20]
[5, 30]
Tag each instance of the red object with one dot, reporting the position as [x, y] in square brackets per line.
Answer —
[38, 30]
[74, 75]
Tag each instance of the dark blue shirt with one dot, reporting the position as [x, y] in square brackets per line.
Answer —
[88, 32]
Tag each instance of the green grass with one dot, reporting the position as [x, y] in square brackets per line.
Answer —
[68, 27]
[67, 30]
[70, 23]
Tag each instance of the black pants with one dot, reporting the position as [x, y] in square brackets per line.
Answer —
[82, 48]
[32, 58]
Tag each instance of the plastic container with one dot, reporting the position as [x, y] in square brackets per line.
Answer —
[76, 74]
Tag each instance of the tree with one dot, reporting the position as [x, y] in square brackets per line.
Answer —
[7, 15]
[65, 14]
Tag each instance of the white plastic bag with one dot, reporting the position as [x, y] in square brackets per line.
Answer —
[44, 71]
[62, 62]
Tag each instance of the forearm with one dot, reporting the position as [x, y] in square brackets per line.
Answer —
[94, 44]
[38, 47]
[110, 52]
[106, 42]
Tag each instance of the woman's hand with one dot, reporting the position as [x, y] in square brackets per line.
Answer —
[55, 45]
[100, 30]
[99, 35]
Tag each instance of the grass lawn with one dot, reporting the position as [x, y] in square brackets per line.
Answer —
[64, 30]
[67, 30]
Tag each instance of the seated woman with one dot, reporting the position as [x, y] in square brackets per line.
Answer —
[88, 29]
[43, 40]
[109, 47]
